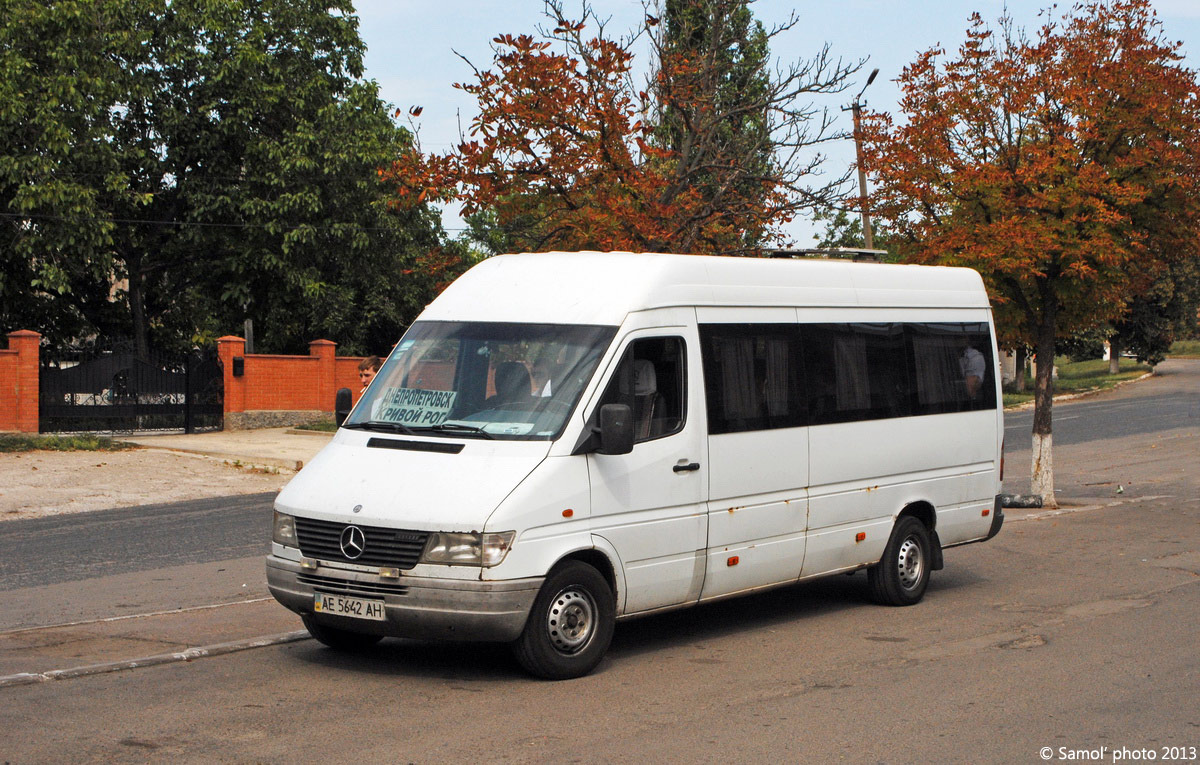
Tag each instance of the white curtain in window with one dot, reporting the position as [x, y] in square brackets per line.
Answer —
[775, 387]
[853, 385]
[937, 370]
[737, 378]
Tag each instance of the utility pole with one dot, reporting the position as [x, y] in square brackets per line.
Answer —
[856, 108]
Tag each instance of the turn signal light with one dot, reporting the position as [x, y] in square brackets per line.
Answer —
[568, 513]
[860, 536]
[733, 560]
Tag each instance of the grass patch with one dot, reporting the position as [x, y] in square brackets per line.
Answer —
[1188, 349]
[1082, 377]
[322, 426]
[73, 443]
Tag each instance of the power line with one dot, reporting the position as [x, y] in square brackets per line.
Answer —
[195, 224]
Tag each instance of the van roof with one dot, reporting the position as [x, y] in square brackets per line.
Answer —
[603, 287]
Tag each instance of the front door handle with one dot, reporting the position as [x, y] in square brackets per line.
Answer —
[685, 468]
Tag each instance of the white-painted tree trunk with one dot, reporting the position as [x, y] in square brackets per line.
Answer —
[1043, 469]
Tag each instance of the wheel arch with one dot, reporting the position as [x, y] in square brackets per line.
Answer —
[924, 512]
[597, 560]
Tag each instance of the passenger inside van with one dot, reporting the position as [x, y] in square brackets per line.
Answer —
[973, 366]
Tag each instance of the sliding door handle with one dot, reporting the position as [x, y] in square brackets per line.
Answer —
[686, 468]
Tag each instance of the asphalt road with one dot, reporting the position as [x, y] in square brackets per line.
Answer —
[67, 548]
[1131, 410]
[1069, 632]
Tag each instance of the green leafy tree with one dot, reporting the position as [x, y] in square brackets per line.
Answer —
[843, 229]
[246, 149]
[712, 91]
[1158, 315]
[66, 71]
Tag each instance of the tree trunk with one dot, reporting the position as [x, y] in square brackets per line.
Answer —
[1020, 359]
[1042, 479]
[1114, 356]
[137, 306]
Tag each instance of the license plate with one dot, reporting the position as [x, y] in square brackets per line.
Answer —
[343, 606]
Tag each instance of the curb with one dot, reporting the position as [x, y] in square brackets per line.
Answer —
[246, 461]
[1081, 394]
[201, 652]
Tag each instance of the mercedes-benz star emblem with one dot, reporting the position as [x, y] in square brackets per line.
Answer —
[354, 542]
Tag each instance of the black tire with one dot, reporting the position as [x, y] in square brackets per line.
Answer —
[570, 625]
[901, 576]
[338, 639]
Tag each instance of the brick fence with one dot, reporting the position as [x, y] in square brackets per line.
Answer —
[19, 382]
[268, 391]
[274, 390]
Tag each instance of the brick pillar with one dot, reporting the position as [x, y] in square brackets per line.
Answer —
[235, 387]
[326, 351]
[27, 344]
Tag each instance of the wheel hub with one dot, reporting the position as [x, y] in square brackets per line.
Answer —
[571, 620]
[911, 563]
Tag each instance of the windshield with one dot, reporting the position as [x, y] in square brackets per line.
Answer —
[482, 379]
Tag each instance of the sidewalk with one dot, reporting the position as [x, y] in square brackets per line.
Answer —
[284, 448]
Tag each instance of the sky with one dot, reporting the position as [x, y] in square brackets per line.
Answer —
[414, 48]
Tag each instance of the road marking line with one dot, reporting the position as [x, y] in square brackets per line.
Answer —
[200, 652]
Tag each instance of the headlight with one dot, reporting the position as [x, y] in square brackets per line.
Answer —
[284, 530]
[458, 549]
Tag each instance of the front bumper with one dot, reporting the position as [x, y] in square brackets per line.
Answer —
[415, 607]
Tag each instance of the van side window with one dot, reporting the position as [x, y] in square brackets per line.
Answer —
[952, 367]
[752, 377]
[650, 381]
[879, 371]
[856, 372]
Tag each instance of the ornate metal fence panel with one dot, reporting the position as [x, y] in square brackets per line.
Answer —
[112, 389]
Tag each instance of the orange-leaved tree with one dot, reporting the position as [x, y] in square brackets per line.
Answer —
[567, 153]
[1062, 165]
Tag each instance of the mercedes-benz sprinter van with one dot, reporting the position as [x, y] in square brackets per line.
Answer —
[565, 440]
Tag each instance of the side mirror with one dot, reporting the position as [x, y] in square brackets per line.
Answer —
[616, 429]
[342, 404]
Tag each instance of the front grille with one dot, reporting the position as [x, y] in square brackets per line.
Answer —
[335, 586]
[396, 548]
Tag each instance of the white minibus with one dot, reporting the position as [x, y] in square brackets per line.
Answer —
[565, 440]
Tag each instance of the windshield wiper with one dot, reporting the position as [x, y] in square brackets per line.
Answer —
[381, 425]
[454, 427]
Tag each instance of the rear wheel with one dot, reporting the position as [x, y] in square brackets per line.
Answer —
[342, 640]
[901, 576]
[570, 625]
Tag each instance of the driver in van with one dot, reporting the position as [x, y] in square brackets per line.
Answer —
[367, 369]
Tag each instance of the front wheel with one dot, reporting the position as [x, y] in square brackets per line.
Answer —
[341, 640]
[570, 625]
[901, 576]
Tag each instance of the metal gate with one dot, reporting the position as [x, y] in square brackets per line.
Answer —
[114, 390]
